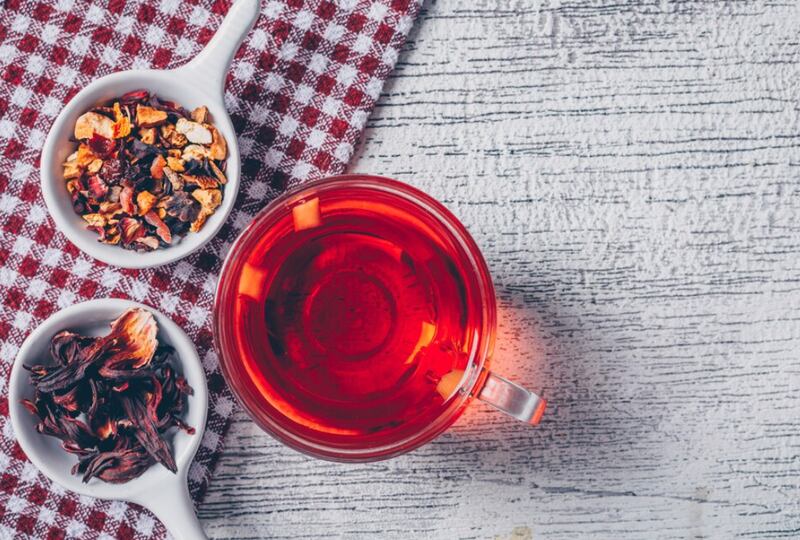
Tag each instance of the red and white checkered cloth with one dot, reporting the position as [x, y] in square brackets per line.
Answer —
[299, 94]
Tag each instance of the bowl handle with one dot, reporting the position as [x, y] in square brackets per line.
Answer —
[209, 67]
[172, 504]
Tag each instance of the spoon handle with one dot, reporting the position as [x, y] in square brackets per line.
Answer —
[172, 504]
[209, 67]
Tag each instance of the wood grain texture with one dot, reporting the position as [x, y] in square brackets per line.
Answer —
[630, 170]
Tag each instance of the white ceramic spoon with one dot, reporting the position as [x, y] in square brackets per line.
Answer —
[199, 82]
[159, 490]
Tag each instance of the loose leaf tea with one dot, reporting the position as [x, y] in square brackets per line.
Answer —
[146, 171]
[111, 399]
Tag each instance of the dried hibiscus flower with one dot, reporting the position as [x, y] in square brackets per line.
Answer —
[152, 157]
[111, 399]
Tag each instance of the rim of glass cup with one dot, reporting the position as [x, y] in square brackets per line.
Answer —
[475, 374]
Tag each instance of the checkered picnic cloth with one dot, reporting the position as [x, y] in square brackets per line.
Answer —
[299, 94]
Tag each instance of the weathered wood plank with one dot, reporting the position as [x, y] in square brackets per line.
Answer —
[630, 171]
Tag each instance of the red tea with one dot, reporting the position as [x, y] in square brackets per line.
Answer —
[350, 310]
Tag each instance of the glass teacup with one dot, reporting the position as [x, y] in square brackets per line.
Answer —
[355, 318]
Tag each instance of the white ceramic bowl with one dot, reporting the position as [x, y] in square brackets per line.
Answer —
[162, 492]
[200, 82]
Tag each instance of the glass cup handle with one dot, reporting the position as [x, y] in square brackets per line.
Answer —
[512, 399]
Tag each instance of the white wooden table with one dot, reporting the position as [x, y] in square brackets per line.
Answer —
[632, 173]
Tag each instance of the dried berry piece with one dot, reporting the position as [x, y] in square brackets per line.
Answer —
[101, 146]
[113, 170]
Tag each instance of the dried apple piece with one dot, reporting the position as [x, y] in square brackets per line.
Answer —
[175, 163]
[147, 135]
[90, 123]
[198, 223]
[95, 220]
[200, 114]
[145, 201]
[194, 132]
[157, 167]
[149, 242]
[149, 117]
[209, 199]
[218, 149]
[204, 182]
[84, 156]
[195, 152]
[71, 170]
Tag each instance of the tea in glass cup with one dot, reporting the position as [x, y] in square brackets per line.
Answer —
[355, 318]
